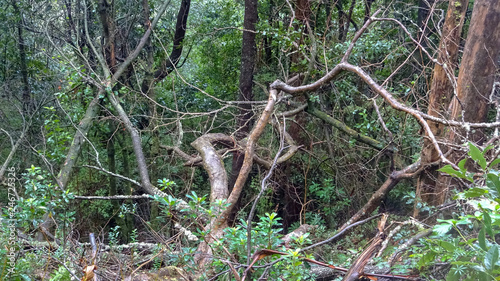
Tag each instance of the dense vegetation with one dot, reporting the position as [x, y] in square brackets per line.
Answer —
[245, 140]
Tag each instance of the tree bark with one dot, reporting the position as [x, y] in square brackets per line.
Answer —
[341, 19]
[478, 68]
[442, 88]
[424, 9]
[180, 31]
[78, 140]
[218, 223]
[26, 93]
[349, 20]
[368, 9]
[108, 24]
[248, 57]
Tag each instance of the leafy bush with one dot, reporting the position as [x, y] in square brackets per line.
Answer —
[468, 242]
[42, 197]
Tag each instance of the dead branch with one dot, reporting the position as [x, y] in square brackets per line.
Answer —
[218, 223]
[396, 230]
[249, 154]
[387, 186]
[408, 243]
[357, 267]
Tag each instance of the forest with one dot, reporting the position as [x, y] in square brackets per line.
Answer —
[249, 140]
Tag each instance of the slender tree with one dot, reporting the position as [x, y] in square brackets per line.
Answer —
[442, 88]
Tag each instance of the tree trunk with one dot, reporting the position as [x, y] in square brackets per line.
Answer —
[113, 186]
[439, 98]
[126, 187]
[349, 20]
[78, 140]
[341, 19]
[479, 65]
[303, 10]
[26, 96]
[248, 56]
[424, 9]
[368, 9]
[108, 25]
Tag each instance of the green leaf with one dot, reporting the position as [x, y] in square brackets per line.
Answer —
[452, 172]
[461, 165]
[427, 259]
[453, 275]
[491, 258]
[477, 156]
[492, 178]
[475, 192]
[481, 239]
[487, 224]
[495, 162]
[479, 268]
[442, 229]
[446, 245]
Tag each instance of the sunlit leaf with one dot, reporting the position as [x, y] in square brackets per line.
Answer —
[442, 229]
[477, 156]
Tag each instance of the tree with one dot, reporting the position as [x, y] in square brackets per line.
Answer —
[332, 113]
[475, 83]
[441, 92]
[471, 92]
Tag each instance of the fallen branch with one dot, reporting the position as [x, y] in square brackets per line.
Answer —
[357, 267]
[387, 186]
[408, 243]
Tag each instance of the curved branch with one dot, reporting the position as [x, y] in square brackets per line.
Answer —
[249, 155]
[213, 164]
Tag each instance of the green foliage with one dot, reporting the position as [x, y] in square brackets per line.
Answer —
[468, 241]
[113, 235]
[101, 208]
[61, 274]
[25, 266]
[41, 197]
[412, 199]
[166, 184]
[265, 235]
[58, 137]
[367, 124]
[331, 200]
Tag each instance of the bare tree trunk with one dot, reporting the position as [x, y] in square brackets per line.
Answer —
[113, 186]
[93, 110]
[368, 9]
[78, 140]
[442, 88]
[26, 96]
[217, 224]
[479, 65]
[108, 25]
[349, 20]
[424, 9]
[341, 19]
[248, 57]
